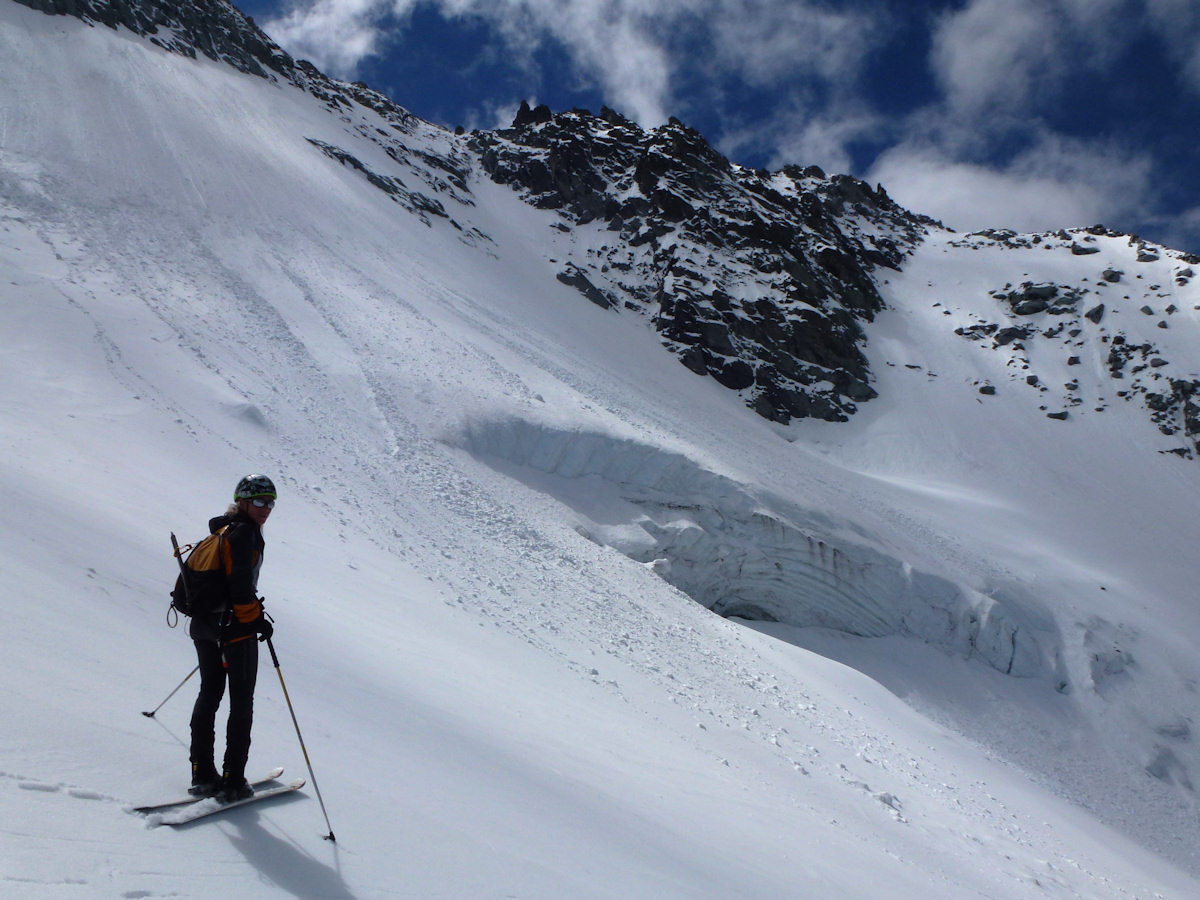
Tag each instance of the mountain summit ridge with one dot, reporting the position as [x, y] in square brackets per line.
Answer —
[761, 280]
[214, 28]
[767, 282]
[779, 316]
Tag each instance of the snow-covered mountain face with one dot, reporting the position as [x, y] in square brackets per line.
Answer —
[950, 461]
[767, 281]
[762, 281]
[213, 28]
[1117, 313]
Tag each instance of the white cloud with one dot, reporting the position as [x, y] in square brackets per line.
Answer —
[800, 133]
[1183, 231]
[614, 45]
[969, 197]
[630, 50]
[1177, 23]
[766, 42]
[1058, 183]
[983, 154]
[493, 113]
[336, 35]
[996, 55]
[610, 42]
[633, 52]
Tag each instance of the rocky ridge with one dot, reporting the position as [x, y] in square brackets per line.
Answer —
[1118, 319]
[764, 281]
[761, 280]
[212, 28]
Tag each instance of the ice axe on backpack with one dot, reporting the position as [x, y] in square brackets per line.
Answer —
[183, 578]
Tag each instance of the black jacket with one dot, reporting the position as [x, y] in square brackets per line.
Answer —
[242, 613]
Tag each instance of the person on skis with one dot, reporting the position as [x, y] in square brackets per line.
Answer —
[227, 649]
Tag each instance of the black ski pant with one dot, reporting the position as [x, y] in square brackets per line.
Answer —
[236, 663]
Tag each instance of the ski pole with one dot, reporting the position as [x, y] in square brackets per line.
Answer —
[303, 749]
[150, 715]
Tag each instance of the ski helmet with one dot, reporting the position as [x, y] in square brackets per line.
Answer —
[254, 486]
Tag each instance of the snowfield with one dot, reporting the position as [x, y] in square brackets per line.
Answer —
[974, 673]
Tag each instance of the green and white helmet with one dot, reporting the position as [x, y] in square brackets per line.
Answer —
[254, 486]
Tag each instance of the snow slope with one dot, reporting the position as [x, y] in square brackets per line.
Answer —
[492, 494]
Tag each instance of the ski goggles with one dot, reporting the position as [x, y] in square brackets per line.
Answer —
[263, 502]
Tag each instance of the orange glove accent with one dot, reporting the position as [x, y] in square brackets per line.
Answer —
[247, 612]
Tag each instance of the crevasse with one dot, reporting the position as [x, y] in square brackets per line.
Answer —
[740, 553]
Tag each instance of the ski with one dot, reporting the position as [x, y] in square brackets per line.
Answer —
[188, 801]
[181, 815]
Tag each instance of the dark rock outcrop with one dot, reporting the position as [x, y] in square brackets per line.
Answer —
[213, 28]
[761, 280]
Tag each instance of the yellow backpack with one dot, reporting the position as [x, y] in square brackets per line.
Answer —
[202, 586]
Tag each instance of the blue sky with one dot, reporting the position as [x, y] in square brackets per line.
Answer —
[1027, 114]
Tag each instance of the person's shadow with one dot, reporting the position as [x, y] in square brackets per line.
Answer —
[283, 862]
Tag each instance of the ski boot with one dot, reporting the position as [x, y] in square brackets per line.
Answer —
[205, 780]
[233, 787]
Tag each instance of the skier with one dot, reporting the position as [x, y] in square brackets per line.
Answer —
[226, 648]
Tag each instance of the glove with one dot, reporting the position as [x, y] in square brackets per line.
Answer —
[264, 628]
